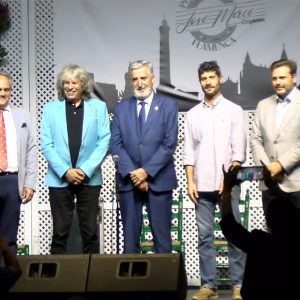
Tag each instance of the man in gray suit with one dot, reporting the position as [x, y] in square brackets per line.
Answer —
[275, 139]
[18, 162]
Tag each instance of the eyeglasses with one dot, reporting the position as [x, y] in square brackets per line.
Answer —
[5, 90]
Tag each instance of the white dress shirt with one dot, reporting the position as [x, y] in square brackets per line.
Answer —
[11, 140]
[147, 102]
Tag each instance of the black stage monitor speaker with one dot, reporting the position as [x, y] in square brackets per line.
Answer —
[52, 273]
[162, 275]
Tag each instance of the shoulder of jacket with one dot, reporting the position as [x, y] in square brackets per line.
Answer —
[95, 101]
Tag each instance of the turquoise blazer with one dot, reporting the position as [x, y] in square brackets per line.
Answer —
[55, 145]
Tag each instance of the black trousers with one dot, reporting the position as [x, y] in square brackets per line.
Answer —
[269, 195]
[62, 203]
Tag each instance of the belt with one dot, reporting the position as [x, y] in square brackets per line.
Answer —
[8, 173]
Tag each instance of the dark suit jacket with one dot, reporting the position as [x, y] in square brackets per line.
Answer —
[153, 149]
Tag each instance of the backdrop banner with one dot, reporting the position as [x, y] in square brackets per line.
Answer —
[243, 36]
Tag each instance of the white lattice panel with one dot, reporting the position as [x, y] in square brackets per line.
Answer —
[190, 237]
[45, 91]
[12, 41]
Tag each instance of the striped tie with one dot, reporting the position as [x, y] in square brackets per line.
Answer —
[3, 149]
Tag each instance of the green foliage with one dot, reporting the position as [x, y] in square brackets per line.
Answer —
[3, 54]
[4, 26]
[4, 17]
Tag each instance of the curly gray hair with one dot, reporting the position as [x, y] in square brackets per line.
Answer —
[78, 73]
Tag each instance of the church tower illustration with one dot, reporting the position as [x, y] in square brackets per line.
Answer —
[164, 60]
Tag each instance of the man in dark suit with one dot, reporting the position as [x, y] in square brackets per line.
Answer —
[18, 161]
[144, 137]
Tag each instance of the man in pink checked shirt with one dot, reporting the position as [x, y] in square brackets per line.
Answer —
[215, 135]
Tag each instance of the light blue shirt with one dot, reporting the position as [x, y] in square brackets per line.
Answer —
[282, 107]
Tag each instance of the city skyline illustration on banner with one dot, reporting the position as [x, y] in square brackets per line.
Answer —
[254, 83]
[243, 36]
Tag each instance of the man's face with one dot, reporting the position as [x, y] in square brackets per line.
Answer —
[72, 89]
[5, 91]
[211, 84]
[283, 81]
[142, 83]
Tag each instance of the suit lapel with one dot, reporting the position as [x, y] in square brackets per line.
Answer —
[271, 118]
[291, 113]
[61, 115]
[87, 112]
[134, 116]
[17, 121]
[153, 114]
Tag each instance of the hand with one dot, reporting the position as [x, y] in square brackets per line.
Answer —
[27, 195]
[268, 179]
[192, 192]
[75, 176]
[235, 164]
[275, 169]
[143, 186]
[230, 177]
[138, 176]
[3, 243]
[221, 188]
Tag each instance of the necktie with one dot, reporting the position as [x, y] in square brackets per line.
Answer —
[3, 150]
[142, 115]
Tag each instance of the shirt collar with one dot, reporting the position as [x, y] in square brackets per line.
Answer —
[214, 102]
[288, 97]
[72, 103]
[7, 108]
[148, 100]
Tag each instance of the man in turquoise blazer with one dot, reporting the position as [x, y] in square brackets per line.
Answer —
[145, 159]
[74, 140]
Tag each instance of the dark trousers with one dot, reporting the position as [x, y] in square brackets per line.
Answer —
[269, 195]
[10, 203]
[159, 208]
[62, 203]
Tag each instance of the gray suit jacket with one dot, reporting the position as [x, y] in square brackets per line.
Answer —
[270, 144]
[26, 147]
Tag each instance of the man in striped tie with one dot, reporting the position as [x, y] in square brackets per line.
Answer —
[18, 161]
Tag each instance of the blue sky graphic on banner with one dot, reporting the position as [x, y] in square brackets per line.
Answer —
[244, 36]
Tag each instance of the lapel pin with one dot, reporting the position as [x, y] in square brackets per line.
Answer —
[156, 108]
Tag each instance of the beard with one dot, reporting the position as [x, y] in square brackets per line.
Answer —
[142, 94]
[212, 93]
